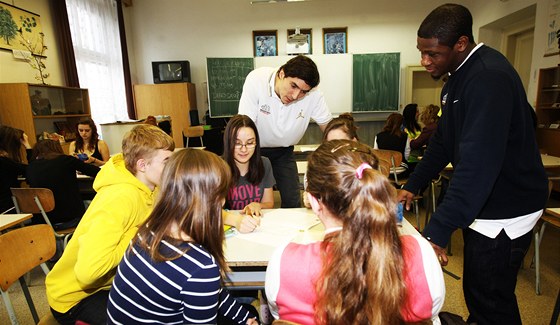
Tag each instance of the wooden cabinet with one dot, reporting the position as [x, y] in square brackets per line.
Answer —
[173, 99]
[41, 108]
[548, 110]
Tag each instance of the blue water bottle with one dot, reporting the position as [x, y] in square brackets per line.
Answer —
[400, 213]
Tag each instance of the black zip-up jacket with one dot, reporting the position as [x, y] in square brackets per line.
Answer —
[487, 132]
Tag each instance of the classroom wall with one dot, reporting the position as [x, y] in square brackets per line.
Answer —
[13, 70]
[223, 28]
[196, 29]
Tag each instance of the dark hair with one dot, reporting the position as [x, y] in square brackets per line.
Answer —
[345, 122]
[256, 167]
[362, 279]
[194, 185]
[303, 68]
[92, 140]
[393, 124]
[47, 149]
[10, 142]
[447, 23]
[409, 118]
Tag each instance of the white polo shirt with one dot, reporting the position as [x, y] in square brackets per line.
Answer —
[279, 125]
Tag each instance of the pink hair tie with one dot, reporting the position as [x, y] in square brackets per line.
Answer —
[361, 168]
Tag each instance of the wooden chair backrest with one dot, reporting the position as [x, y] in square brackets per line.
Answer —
[193, 131]
[23, 249]
[26, 199]
[390, 158]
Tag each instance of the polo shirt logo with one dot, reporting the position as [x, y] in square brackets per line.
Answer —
[265, 109]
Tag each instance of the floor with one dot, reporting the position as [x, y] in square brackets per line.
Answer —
[535, 309]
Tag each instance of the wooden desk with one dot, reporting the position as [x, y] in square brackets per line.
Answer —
[553, 211]
[248, 254]
[10, 220]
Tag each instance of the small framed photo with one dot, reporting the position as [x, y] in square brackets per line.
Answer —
[265, 42]
[335, 40]
[304, 31]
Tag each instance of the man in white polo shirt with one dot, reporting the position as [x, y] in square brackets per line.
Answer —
[281, 102]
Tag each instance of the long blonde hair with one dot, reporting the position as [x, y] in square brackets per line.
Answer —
[361, 281]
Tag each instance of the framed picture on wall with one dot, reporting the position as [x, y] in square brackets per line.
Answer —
[304, 31]
[265, 42]
[17, 26]
[335, 40]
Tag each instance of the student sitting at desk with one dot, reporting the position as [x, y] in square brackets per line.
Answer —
[251, 190]
[339, 128]
[429, 117]
[362, 272]
[54, 170]
[78, 285]
[172, 271]
[11, 164]
[87, 142]
[393, 138]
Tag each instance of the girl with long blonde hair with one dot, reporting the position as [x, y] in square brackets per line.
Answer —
[363, 271]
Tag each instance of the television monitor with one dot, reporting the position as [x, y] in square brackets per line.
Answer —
[171, 71]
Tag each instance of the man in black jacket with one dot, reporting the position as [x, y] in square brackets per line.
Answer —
[499, 186]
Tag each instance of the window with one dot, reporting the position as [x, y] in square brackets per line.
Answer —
[95, 36]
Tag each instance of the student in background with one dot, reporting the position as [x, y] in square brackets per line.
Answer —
[282, 102]
[362, 272]
[11, 164]
[52, 169]
[251, 189]
[499, 186]
[88, 143]
[341, 127]
[429, 117]
[410, 121]
[78, 285]
[393, 138]
[173, 270]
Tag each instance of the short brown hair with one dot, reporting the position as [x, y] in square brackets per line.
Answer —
[142, 142]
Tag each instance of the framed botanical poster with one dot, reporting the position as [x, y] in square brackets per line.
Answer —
[19, 25]
[335, 40]
[265, 43]
[553, 29]
[304, 31]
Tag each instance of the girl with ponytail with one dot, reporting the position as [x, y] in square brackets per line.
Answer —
[363, 271]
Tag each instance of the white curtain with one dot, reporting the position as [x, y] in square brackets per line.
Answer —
[95, 36]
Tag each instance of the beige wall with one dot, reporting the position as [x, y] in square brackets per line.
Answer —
[13, 70]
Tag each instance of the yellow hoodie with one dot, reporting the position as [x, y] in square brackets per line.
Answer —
[90, 260]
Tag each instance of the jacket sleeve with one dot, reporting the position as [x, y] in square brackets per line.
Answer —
[486, 112]
[102, 247]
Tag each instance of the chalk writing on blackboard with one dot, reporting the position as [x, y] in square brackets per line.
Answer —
[375, 82]
[225, 84]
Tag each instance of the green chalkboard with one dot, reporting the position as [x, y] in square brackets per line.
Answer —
[225, 84]
[375, 82]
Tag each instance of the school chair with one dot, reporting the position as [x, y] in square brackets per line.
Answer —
[21, 250]
[548, 218]
[192, 132]
[39, 200]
